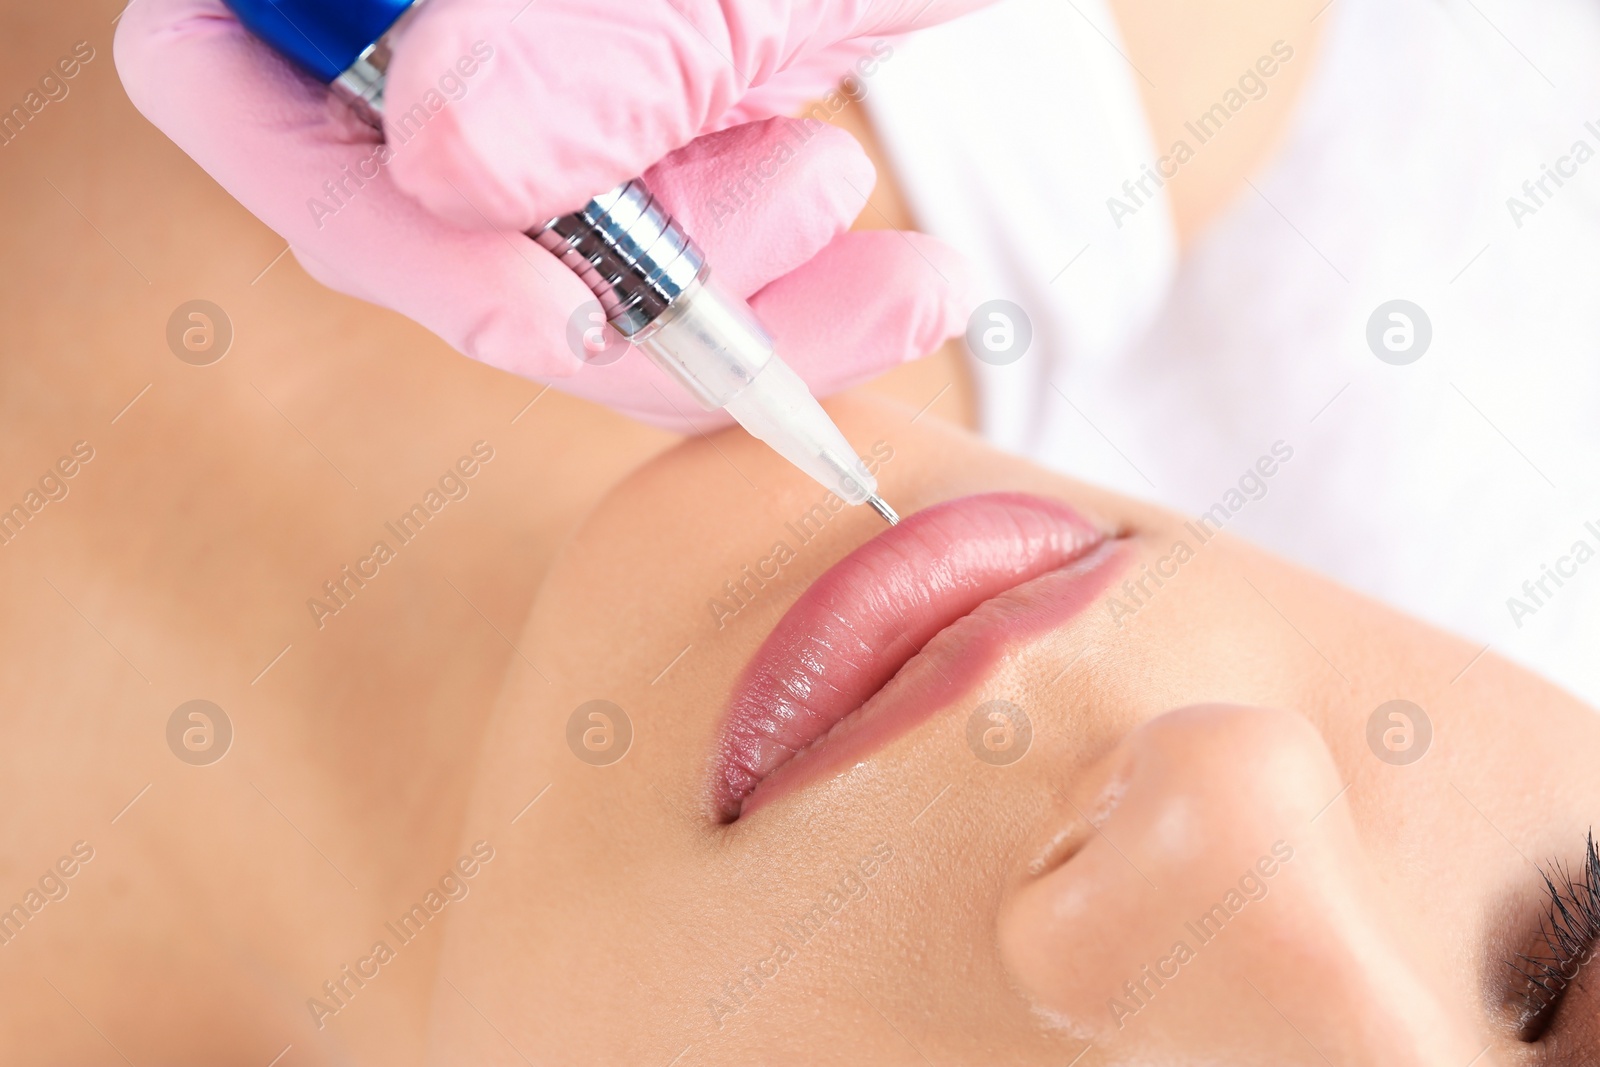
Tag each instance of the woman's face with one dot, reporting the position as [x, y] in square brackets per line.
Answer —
[938, 880]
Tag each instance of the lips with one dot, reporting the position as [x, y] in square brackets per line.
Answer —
[898, 629]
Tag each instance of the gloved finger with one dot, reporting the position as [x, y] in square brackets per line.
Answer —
[819, 84]
[868, 302]
[763, 198]
[304, 165]
[625, 380]
[887, 18]
[584, 94]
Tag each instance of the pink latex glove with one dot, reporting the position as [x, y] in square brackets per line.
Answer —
[842, 306]
[589, 93]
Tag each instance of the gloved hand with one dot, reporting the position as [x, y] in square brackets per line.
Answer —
[588, 93]
[429, 225]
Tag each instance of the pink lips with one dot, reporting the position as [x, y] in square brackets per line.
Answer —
[904, 624]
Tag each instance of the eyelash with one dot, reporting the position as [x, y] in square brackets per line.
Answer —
[1569, 934]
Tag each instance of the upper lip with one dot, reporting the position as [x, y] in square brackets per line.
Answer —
[861, 623]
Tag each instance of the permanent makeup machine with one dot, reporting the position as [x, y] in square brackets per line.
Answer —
[653, 282]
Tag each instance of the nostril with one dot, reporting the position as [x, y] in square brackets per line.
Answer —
[1164, 851]
[1206, 892]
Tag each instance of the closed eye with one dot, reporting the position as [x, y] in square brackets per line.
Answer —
[1566, 943]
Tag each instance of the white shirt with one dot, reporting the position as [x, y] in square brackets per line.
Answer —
[1440, 486]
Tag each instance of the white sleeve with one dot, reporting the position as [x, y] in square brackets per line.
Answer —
[1031, 108]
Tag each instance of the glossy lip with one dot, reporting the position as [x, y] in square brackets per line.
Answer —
[896, 630]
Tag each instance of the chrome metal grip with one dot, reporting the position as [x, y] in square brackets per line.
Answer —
[623, 244]
[630, 253]
[361, 84]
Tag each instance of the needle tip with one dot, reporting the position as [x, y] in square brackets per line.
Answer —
[882, 508]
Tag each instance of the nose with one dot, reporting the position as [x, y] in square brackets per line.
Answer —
[1206, 898]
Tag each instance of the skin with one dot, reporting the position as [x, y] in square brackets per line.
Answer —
[1186, 54]
[370, 757]
[190, 544]
[1004, 923]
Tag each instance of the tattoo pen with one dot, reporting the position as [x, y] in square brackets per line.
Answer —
[650, 277]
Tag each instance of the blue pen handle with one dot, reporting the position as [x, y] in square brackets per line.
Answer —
[323, 37]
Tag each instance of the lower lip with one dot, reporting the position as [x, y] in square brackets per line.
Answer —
[1036, 565]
